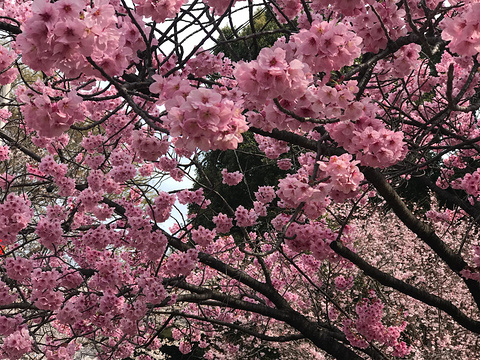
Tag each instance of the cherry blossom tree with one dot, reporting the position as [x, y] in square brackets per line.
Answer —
[365, 247]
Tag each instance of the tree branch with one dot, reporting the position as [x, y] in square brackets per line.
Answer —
[454, 261]
[416, 293]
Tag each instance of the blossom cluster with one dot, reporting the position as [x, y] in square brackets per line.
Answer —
[232, 178]
[149, 147]
[340, 179]
[202, 236]
[369, 325]
[295, 189]
[288, 10]
[219, 6]
[322, 101]
[405, 60]
[272, 75]
[49, 118]
[193, 197]
[265, 194]
[181, 263]
[12, 9]
[223, 223]
[159, 11]
[105, 267]
[343, 284]
[272, 148]
[64, 34]
[462, 31]
[141, 236]
[245, 217]
[15, 214]
[344, 176]
[345, 7]
[5, 296]
[377, 23]
[205, 63]
[9, 325]
[153, 289]
[45, 294]
[49, 232]
[98, 238]
[16, 345]
[372, 143]
[4, 153]
[8, 73]
[205, 120]
[19, 269]
[162, 206]
[470, 183]
[326, 46]
[314, 237]
[473, 272]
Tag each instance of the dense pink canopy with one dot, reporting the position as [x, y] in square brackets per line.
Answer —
[364, 113]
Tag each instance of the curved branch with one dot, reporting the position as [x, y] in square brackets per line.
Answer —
[454, 261]
[284, 338]
[138, 110]
[288, 137]
[10, 28]
[322, 338]
[234, 273]
[444, 194]
[391, 48]
[17, 144]
[412, 291]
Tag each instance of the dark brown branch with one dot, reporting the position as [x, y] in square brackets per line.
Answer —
[284, 338]
[101, 121]
[236, 274]
[301, 118]
[392, 48]
[287, 137]
[453, 103]
[10, 28]
[323, 339]
[448, 196]
[23, 149]
[416, 293]
[454, 261]
[151, 121]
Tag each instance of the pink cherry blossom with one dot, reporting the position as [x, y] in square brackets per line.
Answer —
[231, 179]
